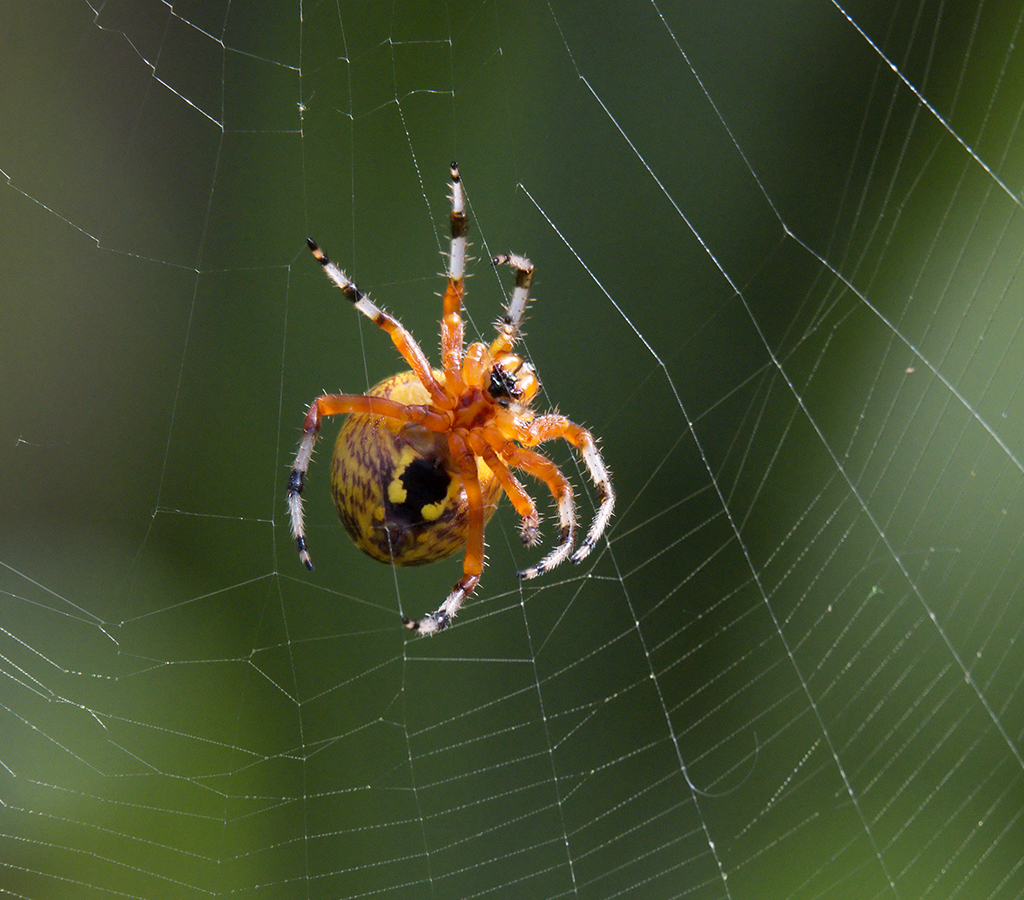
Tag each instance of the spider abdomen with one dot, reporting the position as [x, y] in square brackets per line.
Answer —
[398, 492]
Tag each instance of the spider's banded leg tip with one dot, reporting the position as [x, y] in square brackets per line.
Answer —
[319, 254]
[431, 623]
[582, 552]
[304, 557]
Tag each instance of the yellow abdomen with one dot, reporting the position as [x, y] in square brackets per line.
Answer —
[398, 492]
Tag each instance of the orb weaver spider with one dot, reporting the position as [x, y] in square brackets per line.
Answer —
[424, 456]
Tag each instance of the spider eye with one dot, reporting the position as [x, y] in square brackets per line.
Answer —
[503, 384]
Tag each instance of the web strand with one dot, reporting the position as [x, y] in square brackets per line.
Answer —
[776, 267]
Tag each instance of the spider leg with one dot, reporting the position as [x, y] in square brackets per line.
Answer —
[549, 427]
[508, 324]
[473, 565]
[543, 469]
[332, 405]
[452, 327]
[522, 502]
[402, 339]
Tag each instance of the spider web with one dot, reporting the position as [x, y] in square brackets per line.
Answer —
[777, 256]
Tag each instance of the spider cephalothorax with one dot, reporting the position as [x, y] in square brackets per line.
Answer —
[424, 456]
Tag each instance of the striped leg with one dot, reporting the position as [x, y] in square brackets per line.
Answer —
[508, 324]
[404, 341]
[452, 328]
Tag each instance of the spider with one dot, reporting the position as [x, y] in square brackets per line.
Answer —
[423, 458]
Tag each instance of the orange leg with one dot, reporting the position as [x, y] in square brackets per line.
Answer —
[332, 405]
[452, 328]
[473, 565]
[549, 427]
[543, 469]
[522, 501]
[404, 341]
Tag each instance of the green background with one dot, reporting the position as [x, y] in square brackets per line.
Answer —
[783, 293]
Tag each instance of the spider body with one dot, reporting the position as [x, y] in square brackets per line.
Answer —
[397, 489]
[421, 462]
